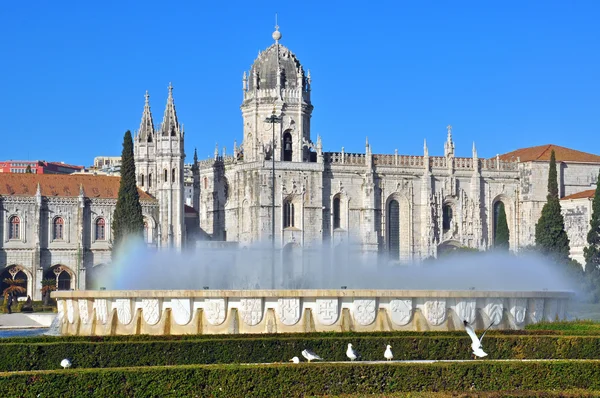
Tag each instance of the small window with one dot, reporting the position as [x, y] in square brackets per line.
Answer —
[142, 180]
[58, 228]
[100, 229]
[287, 147]
[173, 175]
[336, 213]
[150, 180]
[146, 232]
[205, 182]
[447, 218]
[288, 215]
[14, 229]
[166, 179]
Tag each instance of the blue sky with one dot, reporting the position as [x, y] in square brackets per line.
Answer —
[505, 74]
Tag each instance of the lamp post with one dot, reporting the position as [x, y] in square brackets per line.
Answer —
[273, 119]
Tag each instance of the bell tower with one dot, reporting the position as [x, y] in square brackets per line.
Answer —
[169, 174]
[276, 84]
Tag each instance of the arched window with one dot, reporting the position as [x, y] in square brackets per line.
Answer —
[394, 229]
[446, 217]
[142, 180]
[100, 229]
[287, 147]
[336, 213]
[64, 281]
[205, 182]
[146, 234]
[173, 175]
[150, 180]
[14, 228]
[149, 137]
[166, 176]
[288, 215]
[58, 228]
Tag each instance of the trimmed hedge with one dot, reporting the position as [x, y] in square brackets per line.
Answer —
[305, 379]
[146, 337]
[38, 356]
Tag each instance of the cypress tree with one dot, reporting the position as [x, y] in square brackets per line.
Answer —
[502, 235]
[550, 236]
[592, 251]
[128, 221]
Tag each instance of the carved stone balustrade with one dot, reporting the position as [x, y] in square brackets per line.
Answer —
[160, 312]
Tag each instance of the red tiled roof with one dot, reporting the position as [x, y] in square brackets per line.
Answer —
[589, 194]
[63, 185]
[542, 153]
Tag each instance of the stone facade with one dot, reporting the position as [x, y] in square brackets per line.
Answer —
[408, 207]
[59, 226]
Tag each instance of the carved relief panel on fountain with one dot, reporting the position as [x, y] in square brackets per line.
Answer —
[288, 310]
[123, 307]
[401, 311]
[215, 310]
[435, 311]
[251, 311]
[101, 307]
[151, 311]
[182, 310]
[365, 311]
[327, 311]
[466, 309]
[518, 309]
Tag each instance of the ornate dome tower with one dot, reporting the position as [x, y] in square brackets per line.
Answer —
[276, 83]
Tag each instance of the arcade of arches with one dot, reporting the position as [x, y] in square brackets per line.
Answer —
[63, 276]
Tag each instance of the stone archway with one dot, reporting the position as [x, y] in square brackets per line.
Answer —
[64, 276]
[16, 272]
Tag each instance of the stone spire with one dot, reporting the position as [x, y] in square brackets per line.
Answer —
[170, 124]
[146, 131]
[195, 164]
[449, 145]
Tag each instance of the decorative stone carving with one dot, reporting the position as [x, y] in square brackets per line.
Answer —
[401, 311]
[123, 310]
[493, 309]
[466, 309]
[84, 310]
[435, 311]
[327, 311]
[151, 311]
[251, 310]
[365, 311]
[101, 310]
[518, 309]
[536, 309]
[181, 310]
[70, 311]
[214, 309]
[288, 310]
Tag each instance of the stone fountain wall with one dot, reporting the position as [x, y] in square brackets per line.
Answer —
[163, 312]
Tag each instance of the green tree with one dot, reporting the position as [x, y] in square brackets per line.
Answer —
[550, 236]
[28, 169]
[592, 251]
[128, 222]
[502, 235]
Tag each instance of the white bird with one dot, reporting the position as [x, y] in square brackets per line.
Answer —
[309, 355]
[65, 363]
[388, 353]
[295, 360]
[476, 342]
[351, 352]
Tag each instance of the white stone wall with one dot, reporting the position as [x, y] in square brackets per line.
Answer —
[37, 251]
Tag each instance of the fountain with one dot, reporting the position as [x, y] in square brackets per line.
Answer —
[222, 291]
